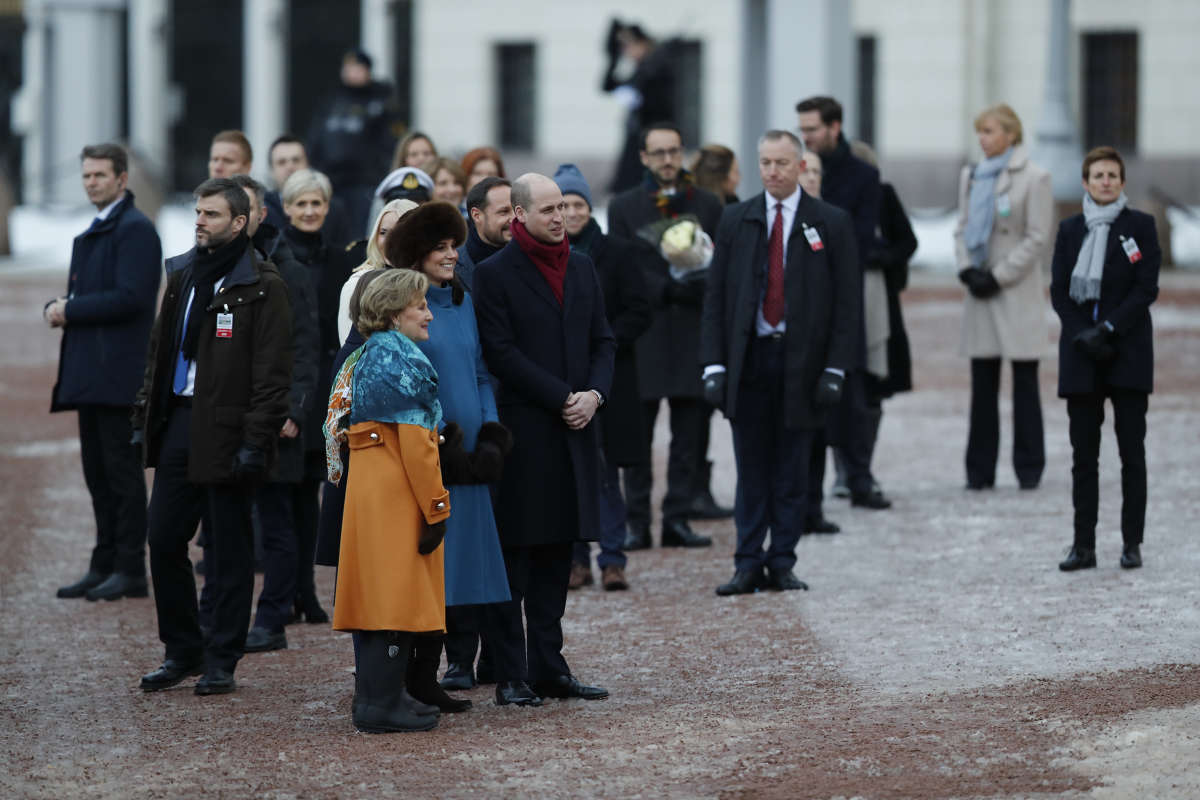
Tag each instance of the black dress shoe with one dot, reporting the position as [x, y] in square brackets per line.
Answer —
[1131, 556]
[873, 499]
[565, 686]
[784, 580]
[677, 533]
[705, 506]
[459, 677]
[260, 640]
[80, 587]
[744, 581]
[516, 693]
[1029, 485]
[1078, 558]
[979, 486]
[637, 537]
[170, 673]
[116, 586]
[216, 681]
[821, 525]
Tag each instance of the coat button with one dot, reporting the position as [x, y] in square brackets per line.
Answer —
[440, 506]
[374, 436]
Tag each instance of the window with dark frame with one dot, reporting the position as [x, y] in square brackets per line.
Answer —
[516, 96]
[1110, 90]
[865, 110]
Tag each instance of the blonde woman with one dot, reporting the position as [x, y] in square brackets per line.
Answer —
[1002, 241]
[387, 219]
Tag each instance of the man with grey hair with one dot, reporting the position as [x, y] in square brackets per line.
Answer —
[546, 339]
[778, 334]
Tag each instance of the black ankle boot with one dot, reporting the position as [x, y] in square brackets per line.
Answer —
[381, 703]
[1079, 558]
[422, 675]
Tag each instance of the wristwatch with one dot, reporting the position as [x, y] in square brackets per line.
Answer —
[599, 397]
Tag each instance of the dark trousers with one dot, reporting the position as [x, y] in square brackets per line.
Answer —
[1086, 414]
[772, 463]
[612, 516]
[537, 578]
[983, 441]
[175, 509]
[687, 415]
[306, 514]
[274, 501]
[463, 624]
[112, 470]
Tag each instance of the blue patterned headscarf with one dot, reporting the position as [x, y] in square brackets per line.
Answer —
[394, 382]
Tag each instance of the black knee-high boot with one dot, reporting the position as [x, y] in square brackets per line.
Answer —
[381, 702]
[422, 674]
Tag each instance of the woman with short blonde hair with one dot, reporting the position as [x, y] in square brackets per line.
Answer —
[303, 181]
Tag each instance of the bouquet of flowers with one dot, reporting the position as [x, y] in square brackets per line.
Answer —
[683, 243]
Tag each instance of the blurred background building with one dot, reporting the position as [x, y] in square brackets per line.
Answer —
[164, 75]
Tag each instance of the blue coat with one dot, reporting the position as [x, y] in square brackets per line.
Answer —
[540, 351]
[112, 286]
[474, 563]
[1126, 292]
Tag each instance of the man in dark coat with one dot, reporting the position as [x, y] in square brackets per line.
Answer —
[489, 215]
[546, 340]
[212, 402]
[106, 315]
[780, 327]
[668, 366]
[852, 185]
[622, 428]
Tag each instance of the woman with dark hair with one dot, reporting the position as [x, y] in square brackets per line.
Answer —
[475, 447]
[480, 163]
[414, 150]
[716, 168]
[1104, 277]
[449, 182]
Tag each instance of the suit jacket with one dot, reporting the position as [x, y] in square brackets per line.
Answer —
[1126, 292]
[539, 352]
[823, 291]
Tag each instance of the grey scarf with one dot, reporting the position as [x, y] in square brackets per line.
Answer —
[981, 206]
[1089, 266]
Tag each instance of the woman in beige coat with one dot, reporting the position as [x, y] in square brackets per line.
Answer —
[1002, 240]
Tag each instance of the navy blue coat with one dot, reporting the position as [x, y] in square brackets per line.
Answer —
[1126, 292]
[539, 352]
[112, 287]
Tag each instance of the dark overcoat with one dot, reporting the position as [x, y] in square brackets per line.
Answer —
[540, 351]
[112, 286]
[822, 289]
[893, 248]
[333, 495]
[242, 381]
[622, 422]
[1126, 292]
[667, 360]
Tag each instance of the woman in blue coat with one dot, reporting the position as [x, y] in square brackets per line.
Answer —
[476, 442]
[1104, 278]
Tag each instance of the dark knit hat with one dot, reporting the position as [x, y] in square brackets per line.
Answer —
[571, 181]
[419, 231]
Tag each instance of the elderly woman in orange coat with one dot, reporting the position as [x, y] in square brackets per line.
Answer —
[390, 583]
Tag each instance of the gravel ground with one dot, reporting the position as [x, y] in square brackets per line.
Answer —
[940, 653]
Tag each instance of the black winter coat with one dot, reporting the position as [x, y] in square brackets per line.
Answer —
[540, 351]
[112, 287]
[351, 140]
[667, 360]
[333, 495]
[823, 291]
[892, 249]
[1126, 292]
[242, 382]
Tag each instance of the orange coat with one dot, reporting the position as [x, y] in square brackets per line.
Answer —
[395, 488]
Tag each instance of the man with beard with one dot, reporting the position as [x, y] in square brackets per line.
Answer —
[545, 338]
[667, 358]
[490, 213]
[212, 403]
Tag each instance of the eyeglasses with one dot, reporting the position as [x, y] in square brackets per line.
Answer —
[670, 152]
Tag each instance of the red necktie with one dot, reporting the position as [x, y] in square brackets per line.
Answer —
[773, 304]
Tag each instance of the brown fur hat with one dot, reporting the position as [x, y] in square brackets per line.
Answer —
[420, 230]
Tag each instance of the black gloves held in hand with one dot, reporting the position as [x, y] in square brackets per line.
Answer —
[684, 293]
[979, 282]
[829, 389]
[714, 389]
[493, 443]
[431, 537]
[1095, 343]
[249, 463]
[456, 466]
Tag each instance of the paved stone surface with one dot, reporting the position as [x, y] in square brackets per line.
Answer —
[939, 653]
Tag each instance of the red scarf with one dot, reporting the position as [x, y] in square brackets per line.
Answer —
[550, 259]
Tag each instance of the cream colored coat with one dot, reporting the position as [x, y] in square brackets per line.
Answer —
[1012, 324]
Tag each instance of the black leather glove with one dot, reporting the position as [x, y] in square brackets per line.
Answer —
[431, 537]
[979, 282]
[829, 389]
[714, 389]
[1095, 343]
[688, 293]
[456, 468]
[493, 443]
[249, 463]
[138, 438]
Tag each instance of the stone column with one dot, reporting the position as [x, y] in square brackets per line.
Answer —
[1056, 142]
[264, 99]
